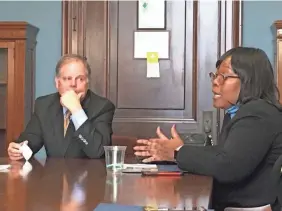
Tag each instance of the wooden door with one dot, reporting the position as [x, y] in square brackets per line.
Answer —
[199, 32]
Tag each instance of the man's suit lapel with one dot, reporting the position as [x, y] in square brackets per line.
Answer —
[71, 129]
[68, 138]
[57, 120]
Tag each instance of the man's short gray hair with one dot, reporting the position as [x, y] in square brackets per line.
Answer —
[70, 58]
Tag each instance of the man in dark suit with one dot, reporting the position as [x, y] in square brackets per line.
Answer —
[74, 122]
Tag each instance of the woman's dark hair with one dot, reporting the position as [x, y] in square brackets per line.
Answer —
[256, 74]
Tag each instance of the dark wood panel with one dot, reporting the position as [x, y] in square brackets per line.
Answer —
[3, 110]
[133, 89]
[3, 146]
[182, 91]
[96, 33]
[3, 65]
[129, 87]
[200, 32]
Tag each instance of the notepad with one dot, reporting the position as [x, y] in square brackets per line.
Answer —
[5, 168]
[138, 165]
[138, 168]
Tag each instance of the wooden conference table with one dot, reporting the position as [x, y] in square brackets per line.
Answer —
[80, 185]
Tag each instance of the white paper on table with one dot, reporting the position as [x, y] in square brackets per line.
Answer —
[141, 166]
[153, 15]
[26, 151]
[153, 70]
[151, 41]
[5, 168]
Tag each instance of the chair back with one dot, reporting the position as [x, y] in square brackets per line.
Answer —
[277, 177]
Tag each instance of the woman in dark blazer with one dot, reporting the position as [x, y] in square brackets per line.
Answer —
[251, 137]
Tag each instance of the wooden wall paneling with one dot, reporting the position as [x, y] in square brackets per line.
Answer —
[237, 22]
[19, 87]
[66, 27]
[97, 45]
[141, 101]
[73, 27]
[11, 114]
[200, 32]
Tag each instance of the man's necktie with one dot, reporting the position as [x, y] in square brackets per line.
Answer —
[66, 121]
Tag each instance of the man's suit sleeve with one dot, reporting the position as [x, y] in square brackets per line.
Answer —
[96, 133]
[247, 143]
[33, 132]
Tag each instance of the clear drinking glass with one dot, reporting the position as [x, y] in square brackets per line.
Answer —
[114, 156]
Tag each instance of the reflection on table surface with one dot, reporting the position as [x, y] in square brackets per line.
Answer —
[80, 185]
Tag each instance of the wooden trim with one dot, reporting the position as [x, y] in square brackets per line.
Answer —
[10, 83]
[19, 30]
[83, 24]
[19, 93]
[10, 96]
[13, 25]
[6, 44]
[107, 47]
[73, 27]
[237, 18]
[195, 61]
[278, 55]
[279, 68]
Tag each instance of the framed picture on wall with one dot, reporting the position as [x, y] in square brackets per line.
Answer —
[151, 14]
[151, 41]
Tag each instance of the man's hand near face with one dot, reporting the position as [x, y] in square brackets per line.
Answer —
[71, 101]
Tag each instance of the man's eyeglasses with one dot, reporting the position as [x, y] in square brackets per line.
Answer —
[221, 77]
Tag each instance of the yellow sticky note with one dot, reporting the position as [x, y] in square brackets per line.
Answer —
[152, 57]
[151, 204]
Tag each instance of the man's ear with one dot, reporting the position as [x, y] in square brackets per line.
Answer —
[57, 82]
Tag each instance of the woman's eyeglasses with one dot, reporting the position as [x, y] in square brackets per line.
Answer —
[221, 77]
